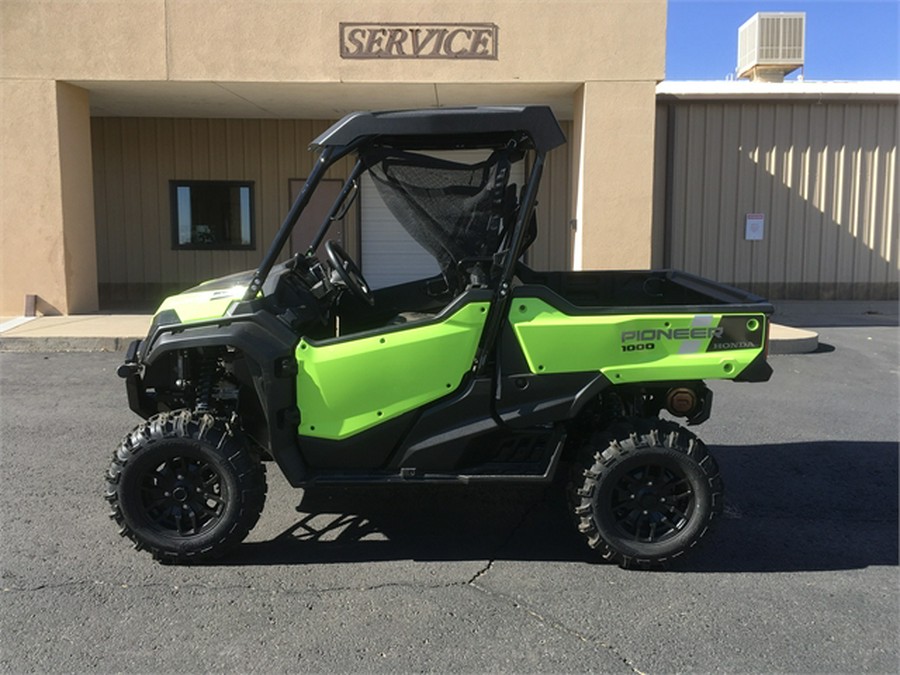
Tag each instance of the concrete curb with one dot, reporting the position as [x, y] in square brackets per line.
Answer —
[64, 344]
[788, 340]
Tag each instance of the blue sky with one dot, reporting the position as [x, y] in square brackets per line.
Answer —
[845, 39]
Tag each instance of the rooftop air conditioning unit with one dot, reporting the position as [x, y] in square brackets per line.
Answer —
[771, 45]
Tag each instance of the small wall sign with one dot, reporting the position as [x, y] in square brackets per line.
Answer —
[418, 41]
[755, 226]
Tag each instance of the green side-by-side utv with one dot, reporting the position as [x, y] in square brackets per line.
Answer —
[485, 371]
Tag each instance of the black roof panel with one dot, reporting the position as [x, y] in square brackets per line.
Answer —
[478, 122]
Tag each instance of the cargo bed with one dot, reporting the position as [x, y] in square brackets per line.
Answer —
[643, 291]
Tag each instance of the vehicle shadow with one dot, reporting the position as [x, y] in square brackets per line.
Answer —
[824, 505]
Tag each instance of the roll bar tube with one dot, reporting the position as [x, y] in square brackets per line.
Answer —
[338, 203]
[500, 305]
[329, 156]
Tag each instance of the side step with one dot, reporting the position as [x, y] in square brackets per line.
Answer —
[503, 473]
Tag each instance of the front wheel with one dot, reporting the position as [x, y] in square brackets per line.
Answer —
[185, 487]
[645, 492]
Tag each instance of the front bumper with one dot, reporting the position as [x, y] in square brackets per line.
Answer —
[130, 371]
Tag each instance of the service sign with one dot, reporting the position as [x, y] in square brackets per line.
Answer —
[418, 41]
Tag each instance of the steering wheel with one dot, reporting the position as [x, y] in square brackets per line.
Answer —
[349, 272]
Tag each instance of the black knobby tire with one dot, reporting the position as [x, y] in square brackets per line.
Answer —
[185, 487]
[644, 492]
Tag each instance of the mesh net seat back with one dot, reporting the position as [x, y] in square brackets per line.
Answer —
[455, 211]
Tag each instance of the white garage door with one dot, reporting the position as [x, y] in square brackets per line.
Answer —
[389, 254]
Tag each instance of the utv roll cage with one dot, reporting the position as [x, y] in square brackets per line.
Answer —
[513, 128]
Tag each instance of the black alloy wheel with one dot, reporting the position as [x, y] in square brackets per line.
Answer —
[185, 487]
[644, 491]
[651, 501]
[183, 495]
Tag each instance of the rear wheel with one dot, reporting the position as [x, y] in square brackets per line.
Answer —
[645, 492]
[185, 487]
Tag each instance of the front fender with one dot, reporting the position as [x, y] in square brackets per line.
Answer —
[268, 347]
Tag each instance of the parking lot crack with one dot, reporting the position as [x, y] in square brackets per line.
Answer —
[559, 626]
[480, 573]
[378, 587]
[508, 538]
[76, 583]
[48, 587]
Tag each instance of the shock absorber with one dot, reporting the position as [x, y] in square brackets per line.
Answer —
[206, 377]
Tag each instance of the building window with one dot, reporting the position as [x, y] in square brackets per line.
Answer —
[212, 214]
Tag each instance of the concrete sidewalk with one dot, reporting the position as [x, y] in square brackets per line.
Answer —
[75, 333]
[790, 333]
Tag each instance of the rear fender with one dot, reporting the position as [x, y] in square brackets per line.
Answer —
[666, 345]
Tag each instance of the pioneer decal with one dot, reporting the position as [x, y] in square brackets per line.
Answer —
[654, 334]
[689, 339]
[730, 333]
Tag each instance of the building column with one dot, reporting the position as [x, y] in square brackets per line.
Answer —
[47, 231]
[613, 155]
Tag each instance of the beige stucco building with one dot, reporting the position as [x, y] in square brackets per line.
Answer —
[108, 105]
[105, 102]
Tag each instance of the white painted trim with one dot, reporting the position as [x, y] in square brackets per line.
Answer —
[793, 89]
[578, 243]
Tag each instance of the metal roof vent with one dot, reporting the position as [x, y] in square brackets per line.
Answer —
[771, 45]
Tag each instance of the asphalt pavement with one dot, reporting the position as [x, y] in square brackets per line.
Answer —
[801, 575]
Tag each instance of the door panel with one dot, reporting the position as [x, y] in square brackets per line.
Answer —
[347, 386]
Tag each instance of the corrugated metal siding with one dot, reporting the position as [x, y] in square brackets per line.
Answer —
[134, 160]
[824, 174]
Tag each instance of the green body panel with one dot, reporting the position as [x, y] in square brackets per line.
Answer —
[350, 386]
[637, 347]
[198, 305]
